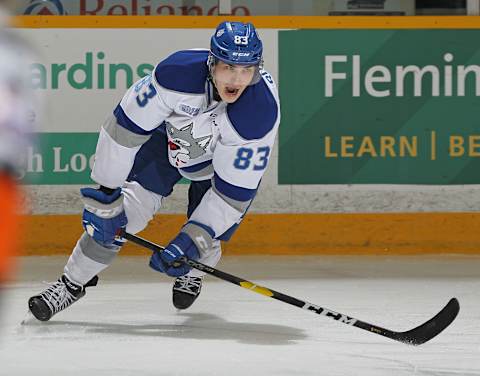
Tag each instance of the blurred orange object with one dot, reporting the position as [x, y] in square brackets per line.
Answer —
[9, 225]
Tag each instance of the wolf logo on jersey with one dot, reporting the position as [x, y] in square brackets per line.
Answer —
[183, 146]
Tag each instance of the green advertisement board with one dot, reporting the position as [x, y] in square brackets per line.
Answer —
[60, 158]
[379, 107]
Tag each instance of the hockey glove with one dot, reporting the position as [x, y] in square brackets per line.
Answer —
[104, 216]
[181, 246]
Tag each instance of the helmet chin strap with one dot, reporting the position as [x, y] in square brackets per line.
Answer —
[211, 77]
[211, 66]
[216, 96]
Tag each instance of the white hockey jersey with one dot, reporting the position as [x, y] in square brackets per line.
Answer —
[228, 143]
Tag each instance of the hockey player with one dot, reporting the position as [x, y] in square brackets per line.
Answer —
[210, 116]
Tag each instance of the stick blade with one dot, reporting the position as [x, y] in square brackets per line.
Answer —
[432, 327]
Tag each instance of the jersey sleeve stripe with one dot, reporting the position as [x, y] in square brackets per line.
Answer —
[197, 167]
[127, 123]
[233, 191]
[208, 229]
[241, 206]
[123, 136]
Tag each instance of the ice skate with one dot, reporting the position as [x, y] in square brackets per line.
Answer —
[57, 297]
[185, 290]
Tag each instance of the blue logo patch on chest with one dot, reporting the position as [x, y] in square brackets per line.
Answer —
[192, 111]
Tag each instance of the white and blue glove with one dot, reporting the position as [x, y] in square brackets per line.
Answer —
[194, 240]
[104, 216]
[168, 261]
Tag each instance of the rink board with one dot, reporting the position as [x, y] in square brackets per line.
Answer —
[280, 233]
[261, 22]
[293, 234]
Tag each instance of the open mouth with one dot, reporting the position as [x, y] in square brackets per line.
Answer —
[231, 91]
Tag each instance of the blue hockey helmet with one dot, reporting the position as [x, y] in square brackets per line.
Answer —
[237, 43]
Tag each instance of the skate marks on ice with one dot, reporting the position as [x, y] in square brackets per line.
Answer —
[201, 326]
[410, 368]
[28, 319]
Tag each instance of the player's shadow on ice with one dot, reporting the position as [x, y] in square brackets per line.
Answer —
[196, 326]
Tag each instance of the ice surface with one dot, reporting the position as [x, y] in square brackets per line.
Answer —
[128, 326]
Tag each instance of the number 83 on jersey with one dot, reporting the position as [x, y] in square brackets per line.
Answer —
[255, 159]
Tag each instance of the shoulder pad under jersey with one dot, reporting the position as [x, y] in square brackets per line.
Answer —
[255, 113]
[184, 71]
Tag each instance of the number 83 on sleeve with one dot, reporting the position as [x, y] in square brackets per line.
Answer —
[256, 159]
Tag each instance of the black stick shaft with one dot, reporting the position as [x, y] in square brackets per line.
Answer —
[416, 336]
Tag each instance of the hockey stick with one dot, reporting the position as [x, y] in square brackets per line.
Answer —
[416, 336]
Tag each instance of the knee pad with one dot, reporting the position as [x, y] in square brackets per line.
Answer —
[140, 205]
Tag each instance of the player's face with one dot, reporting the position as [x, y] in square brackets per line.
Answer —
[232, 80]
